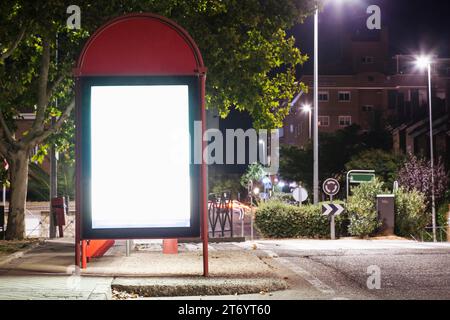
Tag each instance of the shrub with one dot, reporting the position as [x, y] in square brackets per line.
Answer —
[362, 210]
[442, 214]
[276, 219]
[416, 175]
[283, 197]
[410, 213]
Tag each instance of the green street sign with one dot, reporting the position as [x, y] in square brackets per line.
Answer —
[361, 177]
[358, 177]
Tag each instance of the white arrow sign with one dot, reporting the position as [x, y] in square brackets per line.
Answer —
[332, 209]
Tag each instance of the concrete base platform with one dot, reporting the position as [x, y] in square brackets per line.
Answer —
[169, 287]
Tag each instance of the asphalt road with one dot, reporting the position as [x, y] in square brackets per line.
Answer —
[342, 269]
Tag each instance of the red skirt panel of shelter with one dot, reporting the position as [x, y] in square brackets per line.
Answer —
[59, 211]
[93, 249]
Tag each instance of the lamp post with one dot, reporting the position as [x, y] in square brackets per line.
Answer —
[316, 105]
[307, 109]
[424, 62]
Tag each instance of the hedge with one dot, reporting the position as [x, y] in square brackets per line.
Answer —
[411, 217]
[276, 219]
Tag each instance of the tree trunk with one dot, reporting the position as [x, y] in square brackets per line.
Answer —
[15, 229]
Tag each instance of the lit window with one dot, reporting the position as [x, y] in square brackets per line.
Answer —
[324, 121]
[344, 96]
[345, 121]
[291, 128]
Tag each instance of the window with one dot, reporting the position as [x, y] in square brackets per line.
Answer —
[281, 132]
[324, 121]
[345, 121]
[291, 128]
[367, 59]
[344, 96]
[367, 108]
[297, 131]
[324, 96]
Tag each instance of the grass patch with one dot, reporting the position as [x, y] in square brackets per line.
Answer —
[9, 247]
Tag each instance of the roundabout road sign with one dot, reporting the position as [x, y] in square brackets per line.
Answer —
[331, 187]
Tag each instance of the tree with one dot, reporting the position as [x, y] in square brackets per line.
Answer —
[415, 174]
[251, 66]
[255, 172]
[385, 164]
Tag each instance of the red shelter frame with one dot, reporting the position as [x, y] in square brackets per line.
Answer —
[137, 45]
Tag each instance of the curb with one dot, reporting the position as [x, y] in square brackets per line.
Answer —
[177, 287]
[16, 255]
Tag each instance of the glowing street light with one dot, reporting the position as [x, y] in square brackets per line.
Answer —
[424, 62]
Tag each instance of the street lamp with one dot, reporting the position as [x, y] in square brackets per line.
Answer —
[316, 103]
[424, 62]
[307, 109]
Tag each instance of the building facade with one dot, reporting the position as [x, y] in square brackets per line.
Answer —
[368, 87]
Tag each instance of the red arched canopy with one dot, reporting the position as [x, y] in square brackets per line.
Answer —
[138, 45]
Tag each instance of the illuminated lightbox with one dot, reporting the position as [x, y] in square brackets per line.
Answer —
[141, 176]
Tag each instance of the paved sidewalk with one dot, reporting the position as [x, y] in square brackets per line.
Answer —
[23, 286]
[47, 272]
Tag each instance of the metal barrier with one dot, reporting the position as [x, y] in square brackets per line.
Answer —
[220, 214]
[427, 236]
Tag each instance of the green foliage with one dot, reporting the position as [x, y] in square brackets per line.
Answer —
[335, 151]
[442, 214]
[39, 181]
[223, 183]
[410, 213]
[385, 164]
[283, 197]
[276, 219]
[361, 208]
[255, 172]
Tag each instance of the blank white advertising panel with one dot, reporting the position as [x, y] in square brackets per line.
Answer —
[140, 154]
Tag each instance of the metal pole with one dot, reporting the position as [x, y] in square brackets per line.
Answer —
[204, 172]
[310, 133]
[316, 107]
[332, 225]
[251, 217]
[127, 249]
[53, 167]
[433, 202]
[53, 187]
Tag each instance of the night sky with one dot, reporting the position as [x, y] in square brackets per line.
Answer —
[414, 26]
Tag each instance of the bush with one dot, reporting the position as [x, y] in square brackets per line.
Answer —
[442, 214]
[283, 197]
[410, 213]
[276, 219]
[362, 210]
